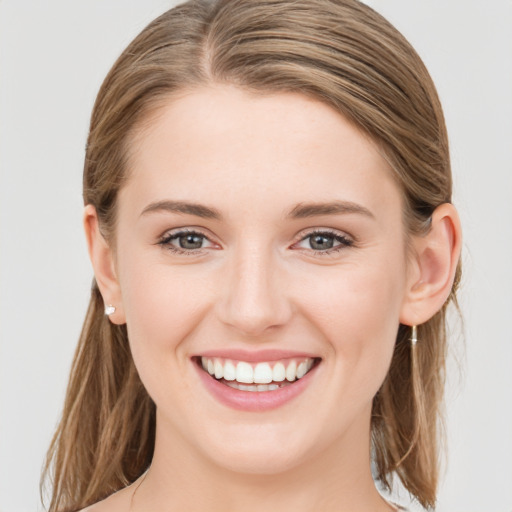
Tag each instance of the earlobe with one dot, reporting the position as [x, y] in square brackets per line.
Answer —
[435, 260]
[102, 260]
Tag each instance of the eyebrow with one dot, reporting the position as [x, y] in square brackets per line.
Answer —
[306, 210]
[198, 210]
[300, 211]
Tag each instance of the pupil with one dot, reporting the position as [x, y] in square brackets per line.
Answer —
[321, 242]
[191, 241]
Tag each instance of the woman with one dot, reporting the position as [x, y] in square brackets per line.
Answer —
[267, 190]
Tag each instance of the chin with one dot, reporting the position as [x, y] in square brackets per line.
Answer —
[264, 449]
[259, 458]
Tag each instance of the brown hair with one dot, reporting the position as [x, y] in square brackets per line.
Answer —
[340, 52]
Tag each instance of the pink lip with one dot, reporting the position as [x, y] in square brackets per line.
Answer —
[259, 356]
[254, 401]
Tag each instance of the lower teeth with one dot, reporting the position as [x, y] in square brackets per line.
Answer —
[253, 387]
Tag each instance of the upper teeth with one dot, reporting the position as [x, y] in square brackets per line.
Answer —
[261, 373]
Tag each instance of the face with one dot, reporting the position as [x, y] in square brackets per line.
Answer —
[259, 238]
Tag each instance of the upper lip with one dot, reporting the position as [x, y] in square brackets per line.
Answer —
[256, 355]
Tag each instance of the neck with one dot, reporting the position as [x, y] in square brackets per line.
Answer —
[339, 478]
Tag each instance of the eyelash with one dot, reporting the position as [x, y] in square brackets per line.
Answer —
[344, 242]
[167, 238]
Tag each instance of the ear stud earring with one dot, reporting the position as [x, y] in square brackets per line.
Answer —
[414, 335]
[109, 309]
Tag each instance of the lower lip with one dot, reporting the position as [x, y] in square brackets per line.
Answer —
[254, 400]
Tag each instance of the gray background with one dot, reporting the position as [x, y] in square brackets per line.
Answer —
[53, 56]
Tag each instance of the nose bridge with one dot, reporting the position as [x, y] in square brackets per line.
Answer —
[254, 298]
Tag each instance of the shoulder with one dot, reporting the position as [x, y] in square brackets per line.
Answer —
[117, 502]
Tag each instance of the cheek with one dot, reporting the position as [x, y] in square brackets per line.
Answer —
[357, 297]
[357, 312]
[162, 305]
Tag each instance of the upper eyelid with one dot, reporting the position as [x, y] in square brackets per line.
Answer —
[170, 235]
[313, 231]
[187, 230]
[345, 240]
[302, 235]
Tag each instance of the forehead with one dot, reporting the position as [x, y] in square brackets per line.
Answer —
[224, 144]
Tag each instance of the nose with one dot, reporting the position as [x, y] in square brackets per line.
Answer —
[254, 299]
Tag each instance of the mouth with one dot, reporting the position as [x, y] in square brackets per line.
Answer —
[257, 377]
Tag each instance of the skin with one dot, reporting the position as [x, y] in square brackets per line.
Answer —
[258, 283]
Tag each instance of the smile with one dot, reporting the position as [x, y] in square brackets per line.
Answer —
[253, 382]
[263, 376]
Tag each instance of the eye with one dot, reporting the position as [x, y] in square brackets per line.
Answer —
[185, 241]
[324, 242]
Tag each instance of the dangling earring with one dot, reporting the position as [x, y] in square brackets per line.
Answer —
[414, 335]
[109, 309]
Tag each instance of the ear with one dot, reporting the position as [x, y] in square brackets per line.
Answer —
[102, 260]
[432, 267]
